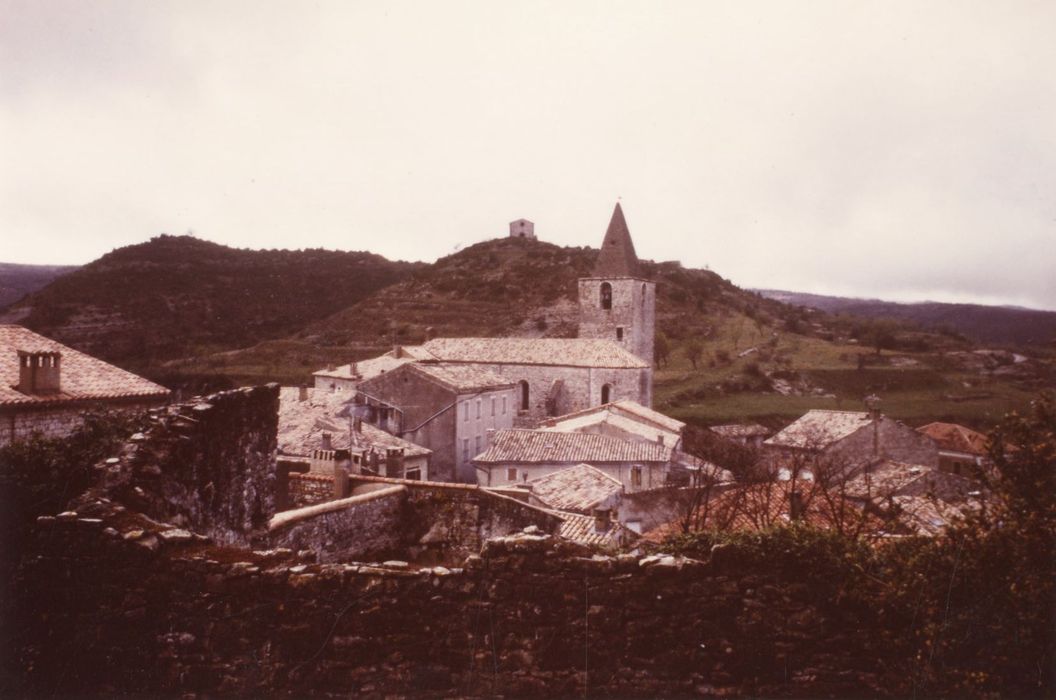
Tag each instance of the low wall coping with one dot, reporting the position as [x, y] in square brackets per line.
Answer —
[288, 517]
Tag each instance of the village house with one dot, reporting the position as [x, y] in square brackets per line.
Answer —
[612, 359]
[522, 228]
[847, 440]
[624, 419]
[519, 456]
[46, 387]
[316, 426]
[961, 450]
[448, 408]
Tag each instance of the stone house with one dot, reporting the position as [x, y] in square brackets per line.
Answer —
[612, 358]
[317, 427]
[624, 419]
[522, 228]
[849, 440]
[46, 387]
[520, 456]
[448, 408]
[961, 450]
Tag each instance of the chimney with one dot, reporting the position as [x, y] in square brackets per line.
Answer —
[394, 462]
[328, 441]
[39, 372]
[302, 393]
[430, 333]
[660, 440]
[795, 505]
[489, 437]
[397, 351]
[357, 424]
[342, 470]
[354, 369]
[602, 520]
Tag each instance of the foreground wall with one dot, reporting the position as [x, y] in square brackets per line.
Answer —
[531, 616]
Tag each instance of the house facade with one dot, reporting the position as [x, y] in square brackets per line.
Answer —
[46, 387]
[444, 407]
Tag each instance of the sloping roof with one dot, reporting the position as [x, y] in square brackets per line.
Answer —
[461, 378]
[563, 352]
[739, 430]
[82, 377]
[889, 479]
[629, 426]
[617, 257]
[581, 528]
[548, 446]
[629, 408]
[579, 488]
[956, 438]
[302, 424]
[817, 429]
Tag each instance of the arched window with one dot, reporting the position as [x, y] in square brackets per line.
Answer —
[524, 395]
[606, 295]
[606, 393]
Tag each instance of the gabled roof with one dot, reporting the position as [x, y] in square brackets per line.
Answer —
[523, 446]
[956, 438]
[579, 489]
[559, 352]
[612, 421]
[581, 528]
[82, 377]
[888, 479]
[462, 378]
[817, 429]
[366, 369]
[628, 408]
[617, 257]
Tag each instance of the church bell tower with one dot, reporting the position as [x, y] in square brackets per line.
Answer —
[616, 303]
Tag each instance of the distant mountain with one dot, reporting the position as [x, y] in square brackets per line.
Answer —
[178, 296]
[16, 280]
[517, 286]
[989, 325]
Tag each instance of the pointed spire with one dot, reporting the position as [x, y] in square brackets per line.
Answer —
[617, 258]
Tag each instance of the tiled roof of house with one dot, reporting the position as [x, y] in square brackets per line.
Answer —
[817, 429]
[461, 378]
[956, 438]
[921, 515]
[889, 479]
[302, 424]
[617, 257]
[627, 408]
[582, 529]
[739, 430]
[563, 352]
[82, 377]
[549, 446]
[579, 488]
[634, 429]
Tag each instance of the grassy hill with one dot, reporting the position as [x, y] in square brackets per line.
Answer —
[991, 325]
[177, 296]
[16, 281]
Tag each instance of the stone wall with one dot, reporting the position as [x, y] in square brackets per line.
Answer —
[310, 489]
[897, 442]
[208, 465]
[530, 616]
[23, 422]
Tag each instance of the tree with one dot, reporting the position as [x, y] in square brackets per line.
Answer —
[662, 349]
[694, 349]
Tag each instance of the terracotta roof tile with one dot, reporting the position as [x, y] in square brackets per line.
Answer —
[956, 438]
[82, 377]
[565, 352]
[581, 529]
[549, 446]
[580, 488]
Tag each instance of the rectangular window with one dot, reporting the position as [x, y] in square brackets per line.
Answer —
[414, 474]
[619, 332]
[504, 405]
[636, 476]
[476, 444]
[465, 449]
[465, 411]
[511, 474]
[493, 402]
[478, 409]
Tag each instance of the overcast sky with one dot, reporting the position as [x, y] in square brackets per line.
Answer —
[901, 150]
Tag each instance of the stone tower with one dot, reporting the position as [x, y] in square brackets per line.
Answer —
[522, 228]
[616, 302]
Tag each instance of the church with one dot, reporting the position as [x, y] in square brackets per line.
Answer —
[610, 360]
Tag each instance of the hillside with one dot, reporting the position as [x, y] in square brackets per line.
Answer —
[178, 296]
[16, 281]
[990, 325]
